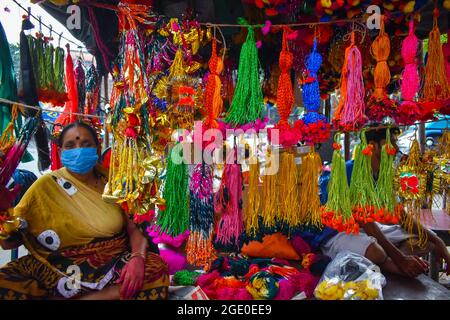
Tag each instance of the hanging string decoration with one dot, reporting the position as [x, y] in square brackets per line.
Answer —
[130, 182]
[253, 203]
[389, 211]
[174, 220]
[270, 190]
[410, 182]
[363, 195]
[380, 105]
[228, 204]
[92, 90]
[315, 128]
[436, 89]
[213, 97]
[308, 189]
[80, 78]
[408, 111]
[337, 212]
[60, 96]
[350, 113]
[289, 213]
[287, 135]
[248, 102]
[200, 250]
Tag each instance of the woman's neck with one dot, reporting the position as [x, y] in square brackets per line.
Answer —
[83, 177]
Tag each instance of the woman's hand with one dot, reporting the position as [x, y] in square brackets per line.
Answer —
[132, 277]
[412, 266]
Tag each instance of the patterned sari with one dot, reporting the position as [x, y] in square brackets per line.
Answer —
[77, 242]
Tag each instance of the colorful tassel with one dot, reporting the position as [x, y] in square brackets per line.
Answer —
[289, 212]
[253, 203]
[228, 204]
[379, 104]
[363, 196]
[213, 97]
[92, 90]
[287, 135]
[312, 120]
[436, 87]
[80, 78]
[337, 212]
[248, 102]
[174, 220]
[199, 248]
[309, 206]
[408, 111]
[269, 207]
[350, 113]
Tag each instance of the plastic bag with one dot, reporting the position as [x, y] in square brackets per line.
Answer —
[350, 276]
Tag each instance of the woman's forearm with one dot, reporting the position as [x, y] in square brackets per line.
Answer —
[138, 242]
[9, 245]
[392, 251]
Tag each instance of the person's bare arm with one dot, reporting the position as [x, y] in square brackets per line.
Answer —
[410, 265]
[12, 243]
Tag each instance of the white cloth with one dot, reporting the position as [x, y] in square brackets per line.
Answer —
[359, 243]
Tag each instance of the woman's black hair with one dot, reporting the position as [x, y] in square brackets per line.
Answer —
[78, 124]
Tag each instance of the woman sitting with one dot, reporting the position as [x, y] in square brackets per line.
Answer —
[81, 247]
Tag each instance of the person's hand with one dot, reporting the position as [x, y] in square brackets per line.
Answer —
[442, 253]
[412, 266]
[132, 277]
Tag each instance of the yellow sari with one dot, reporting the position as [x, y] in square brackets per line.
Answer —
[77, 243]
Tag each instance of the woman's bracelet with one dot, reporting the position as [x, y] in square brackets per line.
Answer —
[137, 254]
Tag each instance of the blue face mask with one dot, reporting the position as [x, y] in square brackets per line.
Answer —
[80, 160]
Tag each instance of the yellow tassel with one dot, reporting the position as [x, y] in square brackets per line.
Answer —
[309, 189]
[288, 195]
[177, 67]
[251, 210]
[270, 195]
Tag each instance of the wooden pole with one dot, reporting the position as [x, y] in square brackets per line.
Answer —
[106, 92]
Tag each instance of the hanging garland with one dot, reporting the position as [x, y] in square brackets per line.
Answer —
[315, 128]
[92, 90]
[380, 105]
[248, 102]
[408, 111]
[200, 250]
[213, 98]
[350, 113]
[337, 212]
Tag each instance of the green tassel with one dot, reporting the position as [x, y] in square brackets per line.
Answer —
[174, 220]
[338, 190]
[41, 78]
[50, 73]
[385, 185]
[186, 277]
[248, 101]
[59, 70]
[362, 184]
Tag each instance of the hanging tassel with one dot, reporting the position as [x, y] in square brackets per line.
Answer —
[71, 105]
[389, 212]
[174, 220]
[269, 207]
[285, 96]
[80, 79]
[252, 206]
[408, 112]
[363, 196]
[248, 103]
[41, 69]
[49, 52]
[200, 250]
[213, 97]
[337, 213]
[60, 93]
[379, 104]
[315, 128]
[411, 187]
[289, 212]
[228, 204]
[350, 113]
[92, 90]
[309, 207]
[436, 87]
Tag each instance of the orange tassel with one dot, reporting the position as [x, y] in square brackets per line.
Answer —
[285, 94]
[380, 49]
[213, 98]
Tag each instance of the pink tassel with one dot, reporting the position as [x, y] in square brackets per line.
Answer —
[228, 204]
[409, 111]
[354, 107]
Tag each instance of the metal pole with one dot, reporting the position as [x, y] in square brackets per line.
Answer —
[347, 146]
